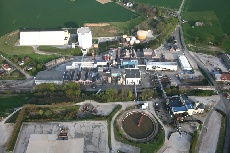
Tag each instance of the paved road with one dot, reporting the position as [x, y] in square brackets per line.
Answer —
[222, 98]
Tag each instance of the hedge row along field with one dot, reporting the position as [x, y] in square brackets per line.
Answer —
[58, 13]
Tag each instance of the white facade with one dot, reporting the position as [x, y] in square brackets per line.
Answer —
[84, 37]
[185, 65]
[161, 66]
[131, 81]
[37, 82]
[77, 65]
[45, 38]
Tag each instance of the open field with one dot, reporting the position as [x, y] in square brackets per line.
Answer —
[221, 10]
[58, 13]
[213, 12]
[175, 4]
[8, 103]
[211, 31]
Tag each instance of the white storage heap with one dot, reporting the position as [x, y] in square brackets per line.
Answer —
[185, 65]
[57, 38]
[84, 37]
[159, 66]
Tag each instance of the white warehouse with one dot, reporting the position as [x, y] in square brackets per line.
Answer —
[45, 38]
[185, 65]
[161, 66]
[84, 38]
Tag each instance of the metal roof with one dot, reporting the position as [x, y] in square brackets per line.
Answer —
[50, 75]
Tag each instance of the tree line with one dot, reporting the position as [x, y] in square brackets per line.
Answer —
[72, 92]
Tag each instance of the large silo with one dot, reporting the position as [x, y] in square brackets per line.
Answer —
[84, 37]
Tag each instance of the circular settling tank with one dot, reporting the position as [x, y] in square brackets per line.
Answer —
[139, 126]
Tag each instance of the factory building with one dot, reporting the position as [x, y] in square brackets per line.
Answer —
[161, 66]
[132, 76]
[84, 38]
[185, 65]
[44, 38]
[49, 77]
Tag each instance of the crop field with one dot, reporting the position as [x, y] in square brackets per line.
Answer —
[215, 15]
[220, 7]
[16, 14]
[211, 26]
[173, 4]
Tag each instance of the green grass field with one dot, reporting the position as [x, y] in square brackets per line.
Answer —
[212, 31]
[16, 14]
[220, 7]
[173, 4]
[212, 26]
[8, 103]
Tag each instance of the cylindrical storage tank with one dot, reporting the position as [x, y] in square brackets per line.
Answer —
[127, 39]
[137, 41]
[124, 36]
[131, 42]
[133, 38]
[141, 34]
[106, 57]
[118, 52]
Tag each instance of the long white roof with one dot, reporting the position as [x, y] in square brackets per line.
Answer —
[184, 62]
[29, 38]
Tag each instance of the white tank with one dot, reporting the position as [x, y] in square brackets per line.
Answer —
[137, 41]
[131, 42]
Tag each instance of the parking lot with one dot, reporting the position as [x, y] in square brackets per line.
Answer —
[95, 134]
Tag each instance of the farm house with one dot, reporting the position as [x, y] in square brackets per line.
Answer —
[84, 38]
[185, 66]
[58, 38]
[161, 66]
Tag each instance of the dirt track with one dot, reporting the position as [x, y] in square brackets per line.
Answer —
[96, 24]
[104, 1]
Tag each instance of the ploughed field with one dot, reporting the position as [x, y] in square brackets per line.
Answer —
[20, 14]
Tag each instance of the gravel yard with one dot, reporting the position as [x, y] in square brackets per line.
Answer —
[178, 143]
[207, 100]
[210, 138]
[211, 62]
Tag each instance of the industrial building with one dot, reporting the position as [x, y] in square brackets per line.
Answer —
[84, 38]
[49, 77]
[132, 76]
[223, 76]
[185, 65]
[79, 65]
[180, 104]
[226, 60]
[48, 143]
[161, 66]
[45, 38]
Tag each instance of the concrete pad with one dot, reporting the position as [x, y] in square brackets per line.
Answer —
[95, 134]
